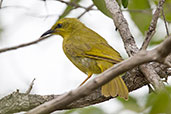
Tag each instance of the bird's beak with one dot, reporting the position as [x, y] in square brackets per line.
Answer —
[47, 32]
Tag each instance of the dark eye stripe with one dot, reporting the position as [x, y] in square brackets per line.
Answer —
[59, 25]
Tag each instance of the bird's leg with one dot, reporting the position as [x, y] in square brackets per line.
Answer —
[89, 75]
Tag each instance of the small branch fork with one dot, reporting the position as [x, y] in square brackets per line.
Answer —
[153, 24]
[87, 10]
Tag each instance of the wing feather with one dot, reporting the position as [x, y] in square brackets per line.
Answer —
[94, 48]
[103, 51]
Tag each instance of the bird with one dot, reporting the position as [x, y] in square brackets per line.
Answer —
[90, 53]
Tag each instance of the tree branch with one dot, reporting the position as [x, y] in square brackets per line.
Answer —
[153, 24]
[129, 42]
[122, 26]
[140, 58]
[17, 102]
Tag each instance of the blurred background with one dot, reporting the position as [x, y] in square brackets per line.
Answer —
[22, 21]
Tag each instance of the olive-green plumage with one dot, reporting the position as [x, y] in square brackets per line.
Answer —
[89, 52]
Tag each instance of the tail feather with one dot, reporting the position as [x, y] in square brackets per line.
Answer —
[114, 88]
[121, 92]
[124, 89]
[105, 90]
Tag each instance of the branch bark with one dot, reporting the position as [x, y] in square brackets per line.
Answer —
[153, 24]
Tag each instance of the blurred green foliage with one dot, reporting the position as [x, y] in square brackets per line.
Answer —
[131, 104]
[125, 3]
[141, 14]
[167, 9]
[101, 5]
[159, 103]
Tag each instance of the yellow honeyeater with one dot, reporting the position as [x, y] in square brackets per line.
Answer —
[89, 52]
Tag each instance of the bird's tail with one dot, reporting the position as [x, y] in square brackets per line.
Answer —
[115, 87]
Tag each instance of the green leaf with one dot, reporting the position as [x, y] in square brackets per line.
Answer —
[140, 13]
[68, 9]
[125, 3]
[131, 104]
[101, 5]
[167, 10]
[160, 103]
[119, 2]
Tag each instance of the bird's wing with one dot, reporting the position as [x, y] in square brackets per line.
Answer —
[103, 51]
[93, 48]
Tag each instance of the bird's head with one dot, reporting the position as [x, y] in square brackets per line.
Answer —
[64, 27]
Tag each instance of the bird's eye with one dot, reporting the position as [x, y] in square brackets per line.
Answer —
[59, 25]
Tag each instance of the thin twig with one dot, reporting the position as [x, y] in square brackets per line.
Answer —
[153, 24]
[147, 40]
[164, 18]
[86, 10]
[30, 87]
[23, 45]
